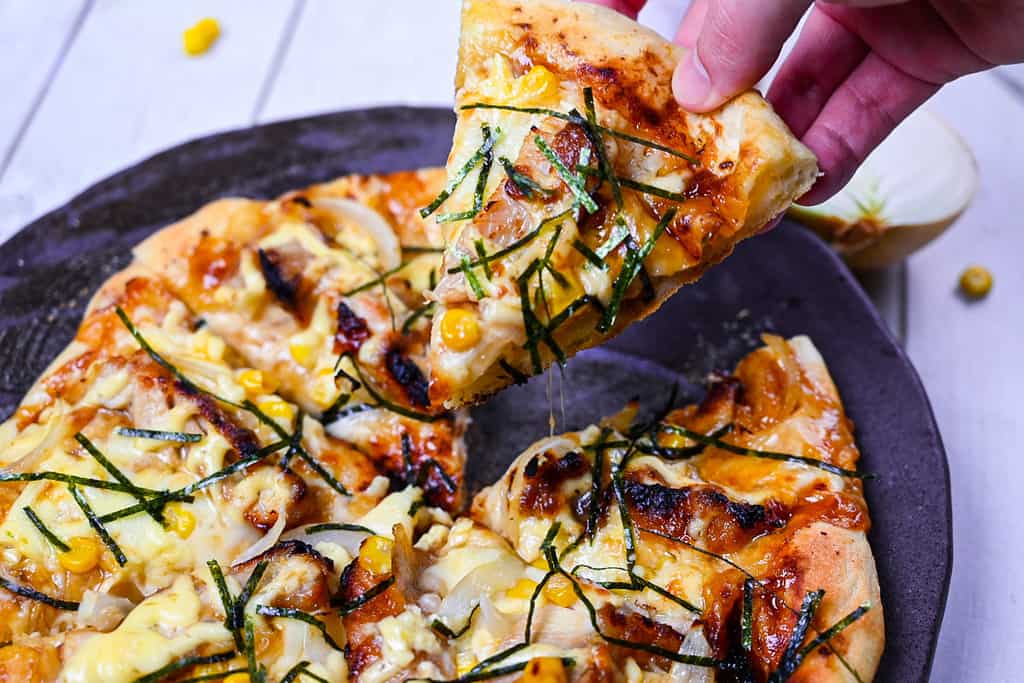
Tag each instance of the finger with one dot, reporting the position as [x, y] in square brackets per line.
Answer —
[689, 29]
[824, 55]
[739, 41]
[630, 8]
[859, 115]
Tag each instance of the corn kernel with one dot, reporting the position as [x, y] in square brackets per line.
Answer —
[459, 329]
[199, 37]
[181, 521]
[375, 555]
[301, 352]
[536, 86]
[464, 662]
[544, 670]
[673, 440]
[523, 589]
[275, 407]
[540, 563]
[239, 677]
[559, 591]
[251, 380]
[976, 282]
[83, 556]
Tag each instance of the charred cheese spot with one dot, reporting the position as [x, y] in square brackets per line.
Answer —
[543, 479]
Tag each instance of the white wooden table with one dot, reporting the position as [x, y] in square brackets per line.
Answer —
[90, 86]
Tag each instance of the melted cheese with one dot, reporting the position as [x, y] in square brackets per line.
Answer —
[161, 629]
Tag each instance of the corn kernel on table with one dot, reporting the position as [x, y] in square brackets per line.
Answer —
[91, 86]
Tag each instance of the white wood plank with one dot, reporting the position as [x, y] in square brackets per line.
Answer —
[969, 356]
[127, 90]
[357, 54]
[34, 36]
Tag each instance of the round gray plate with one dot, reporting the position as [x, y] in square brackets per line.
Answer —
[785, 281]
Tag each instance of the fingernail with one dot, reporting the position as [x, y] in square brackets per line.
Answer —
[690, 83]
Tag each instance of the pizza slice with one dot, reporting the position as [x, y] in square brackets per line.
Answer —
[321, 293]
[579, 195]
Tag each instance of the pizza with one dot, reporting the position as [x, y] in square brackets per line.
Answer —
[579, 196]
[166, 520]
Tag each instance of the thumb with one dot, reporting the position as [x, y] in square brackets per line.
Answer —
[738, 42]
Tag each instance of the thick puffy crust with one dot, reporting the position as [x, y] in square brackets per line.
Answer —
[748, 169]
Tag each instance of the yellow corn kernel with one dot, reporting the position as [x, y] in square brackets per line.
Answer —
[324, 390]
[301, 352]
[544, 670]
[251, 380]
[976, 282]
[199, 37]
[239, 677]
[559, 591]
[523, 589]
[540, 563]
[673, 440]
[375, 555]
[83, 556]
[536, 86]
[275, 407]
[464, 661]
[460, 330]
[180, 520]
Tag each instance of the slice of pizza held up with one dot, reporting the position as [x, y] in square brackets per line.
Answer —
[579, 195]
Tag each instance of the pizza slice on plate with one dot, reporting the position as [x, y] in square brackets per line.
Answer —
[579, 195]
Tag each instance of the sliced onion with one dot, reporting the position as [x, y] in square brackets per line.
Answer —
[103, 611]
[909, 190]
[349, 540]
[694, 644]
[54, 433]
[389, 251]
[265, 542]
[474, 587]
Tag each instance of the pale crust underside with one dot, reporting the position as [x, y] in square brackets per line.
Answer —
[630, 69]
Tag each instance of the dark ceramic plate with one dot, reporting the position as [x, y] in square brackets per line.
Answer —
[785, 282]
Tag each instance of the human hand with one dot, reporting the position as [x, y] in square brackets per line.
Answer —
[858, 68]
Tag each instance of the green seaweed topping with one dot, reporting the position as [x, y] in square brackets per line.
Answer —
[299, 615]
[526, 185]
[158, 435]
[226, 601]
[347, 608]
[154, 510]
[45, 531]
[483, 151]
[98, 527]
[33, 594]
[186, 663]
[481, 179]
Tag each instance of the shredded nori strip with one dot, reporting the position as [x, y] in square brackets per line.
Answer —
[456, 180]
[747, 616]
[471, 279]
[339, 526]
[426, 310]
[619, 233]
[290, 613]
[389, 405]
[589, 254]
[517, 376]
[85, 482]
[652, 190]
[302, 668]
[45, 531]
[347, 608]
[158, 435]
[519, 243]
[603, 129]
[379, 280]
[98, 527]
[593, 133]
[630, 268]
[238, 616]
[441, 628]
[218, 676]
[257, 674]
[481, 180]
[572, 181]
[791, 658]
[185, 663]
[226, 601]
[153, 508]
[524, 183]
[33, 594]
[770, 455]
